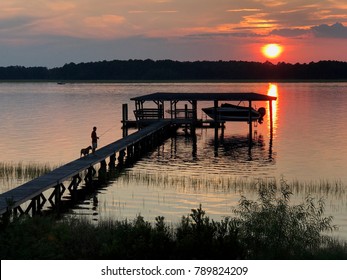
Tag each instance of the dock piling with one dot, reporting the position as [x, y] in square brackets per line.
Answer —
[125, 119]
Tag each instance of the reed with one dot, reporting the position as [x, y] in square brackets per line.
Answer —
[230, 183]
[20, 170]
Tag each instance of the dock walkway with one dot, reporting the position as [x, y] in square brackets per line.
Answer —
[33, 190]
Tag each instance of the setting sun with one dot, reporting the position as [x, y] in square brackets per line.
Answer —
[272, 50]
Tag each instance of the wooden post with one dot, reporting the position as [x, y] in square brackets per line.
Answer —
[195, 113]
[250, 123]
[89, 176]
[57, 196]
[222, 133]
[171, 110]
[112, 163]
[271, 117]
[215, 110]
[102, 175]
[271, 130]
[125, 119]
[130, 153]
[121, 156]
[186, 119]
[160, 111]
[195, 148]
[216, 124]
[103, 165]
[34, 203]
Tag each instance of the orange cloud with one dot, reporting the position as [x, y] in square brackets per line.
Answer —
[104, 26]
[137, 12]
[260, 21]
[103, 21]
[243, 10]
[61, 6]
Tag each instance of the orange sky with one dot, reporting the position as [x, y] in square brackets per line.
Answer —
[52, 33]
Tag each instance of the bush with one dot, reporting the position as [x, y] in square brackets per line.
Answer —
[199, 238]
[271, 228]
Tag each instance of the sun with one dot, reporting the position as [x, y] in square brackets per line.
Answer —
[272, 50]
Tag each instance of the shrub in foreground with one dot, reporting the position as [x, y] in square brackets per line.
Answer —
[272, 228]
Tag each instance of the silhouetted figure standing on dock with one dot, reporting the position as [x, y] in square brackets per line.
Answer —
[94, 139]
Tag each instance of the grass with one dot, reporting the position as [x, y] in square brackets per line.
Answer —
[20, 170]
[269, 227]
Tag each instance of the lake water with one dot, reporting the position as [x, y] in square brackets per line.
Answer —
[47, 123]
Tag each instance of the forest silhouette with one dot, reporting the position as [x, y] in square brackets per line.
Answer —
[161, 70]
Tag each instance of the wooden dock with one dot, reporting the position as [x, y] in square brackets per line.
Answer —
[154, 129]
[127, 148]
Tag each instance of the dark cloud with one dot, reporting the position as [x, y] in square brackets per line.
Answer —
[337, 30]
[287, 32]
[229, 34]
[12, 23]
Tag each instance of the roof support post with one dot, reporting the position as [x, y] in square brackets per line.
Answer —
[215, 110]
[271, 129]
[195, 111]
[125, 119]
[250, 122]
[216, 124]
[271, 117]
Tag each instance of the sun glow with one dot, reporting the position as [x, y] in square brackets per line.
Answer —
[272, 90]
[272, 50]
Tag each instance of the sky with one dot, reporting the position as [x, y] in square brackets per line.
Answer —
[52, 33]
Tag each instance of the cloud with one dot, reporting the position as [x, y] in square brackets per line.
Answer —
[13, 23]
[61, 6]
[288, 32]
[104, 21]
[337, 30]
[272, 3]
[243, 10]
[226, 34]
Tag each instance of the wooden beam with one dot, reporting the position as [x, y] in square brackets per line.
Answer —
[250, 122]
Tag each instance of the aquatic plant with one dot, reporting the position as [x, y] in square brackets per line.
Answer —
[20, 170]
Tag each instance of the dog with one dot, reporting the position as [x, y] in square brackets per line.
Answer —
[85, 151]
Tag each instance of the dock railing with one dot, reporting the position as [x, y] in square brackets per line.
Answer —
[148, 114]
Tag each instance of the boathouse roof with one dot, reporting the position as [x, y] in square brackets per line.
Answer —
[204, 96]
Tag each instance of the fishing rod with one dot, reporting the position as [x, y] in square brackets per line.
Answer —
[107, 130]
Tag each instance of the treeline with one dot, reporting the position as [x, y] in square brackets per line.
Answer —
[176, 70]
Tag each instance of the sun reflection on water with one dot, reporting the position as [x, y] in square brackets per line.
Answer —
[273, 91]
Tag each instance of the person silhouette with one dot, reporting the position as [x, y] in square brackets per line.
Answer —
[94, 139]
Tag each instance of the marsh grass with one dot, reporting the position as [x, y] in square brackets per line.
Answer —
[268, 227]
[20, 170]
[232, 183]
[14, 174]
[179, 181]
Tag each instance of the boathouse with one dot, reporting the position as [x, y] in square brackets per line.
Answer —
[167, 107]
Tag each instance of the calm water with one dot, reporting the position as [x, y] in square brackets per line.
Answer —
[46, 123]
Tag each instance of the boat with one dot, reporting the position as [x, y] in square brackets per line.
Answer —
[231, 112]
